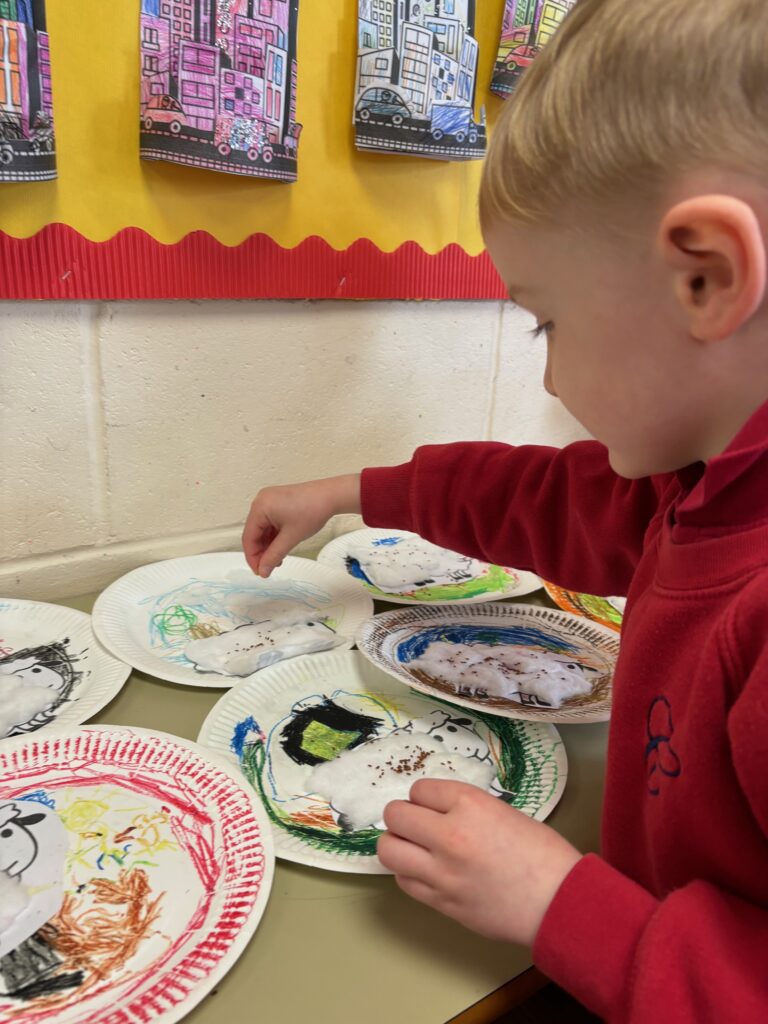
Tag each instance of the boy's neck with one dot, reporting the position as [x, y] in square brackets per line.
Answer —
[731, 426]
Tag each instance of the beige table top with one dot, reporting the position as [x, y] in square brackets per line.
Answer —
[349, 949]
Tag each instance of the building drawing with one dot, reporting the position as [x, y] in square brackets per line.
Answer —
[218, 85]
[528, 25]
[27, 143]
[416, 79]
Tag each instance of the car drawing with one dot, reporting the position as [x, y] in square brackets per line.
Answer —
[165, 110]
[521, 57]
[386, 103]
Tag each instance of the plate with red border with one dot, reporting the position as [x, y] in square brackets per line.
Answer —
[168, 870]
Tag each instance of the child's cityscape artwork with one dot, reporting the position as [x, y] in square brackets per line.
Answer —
[528, 26]
[416, 76]
[27, 147]
[218, 85]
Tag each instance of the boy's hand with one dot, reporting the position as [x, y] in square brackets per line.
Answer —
[282, 517]
[476, 859]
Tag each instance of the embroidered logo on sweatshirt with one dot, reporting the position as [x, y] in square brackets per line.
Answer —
[660, 755]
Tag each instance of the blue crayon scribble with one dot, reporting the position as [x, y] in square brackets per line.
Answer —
[241, 733]
[39, 796]
[521, 636]
[354, 569]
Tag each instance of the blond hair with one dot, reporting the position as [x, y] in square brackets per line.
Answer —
[628, 94]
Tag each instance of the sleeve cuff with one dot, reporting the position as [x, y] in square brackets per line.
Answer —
[588, 939]
[384, 497]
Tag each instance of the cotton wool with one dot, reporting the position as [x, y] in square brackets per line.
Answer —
[400, 568]
[14, 900]
[20, 701]
[245, 650]
[503, 671]
[359, 783]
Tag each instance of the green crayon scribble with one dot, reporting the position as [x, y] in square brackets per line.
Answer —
[174, 621]
[494, 580]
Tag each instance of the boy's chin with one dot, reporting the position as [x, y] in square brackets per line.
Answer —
[634, 467]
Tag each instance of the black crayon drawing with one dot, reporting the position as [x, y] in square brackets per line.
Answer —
[315, 733]
[50, 667]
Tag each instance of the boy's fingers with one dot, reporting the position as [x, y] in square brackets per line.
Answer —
[284, 541]
[416, 824]
[253, 534]
[403, 858]
[257, 533]
[253, 555]
[418, 890]
[439, 794]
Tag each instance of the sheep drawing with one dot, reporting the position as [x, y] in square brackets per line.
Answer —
[18, 845]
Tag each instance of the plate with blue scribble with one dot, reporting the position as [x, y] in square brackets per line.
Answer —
[157, 617]
[513, 660]
[403, 568]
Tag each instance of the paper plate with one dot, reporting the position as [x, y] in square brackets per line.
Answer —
[492, 583]
[50, 644]
[169, 867]
[393, 639]
[261, 726]
[148, 617]
[608, 611]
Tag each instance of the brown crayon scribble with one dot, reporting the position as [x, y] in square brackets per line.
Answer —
[320, 817]
[203, 630]
[99, 932]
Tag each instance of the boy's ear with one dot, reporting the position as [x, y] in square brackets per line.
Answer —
[714, 246]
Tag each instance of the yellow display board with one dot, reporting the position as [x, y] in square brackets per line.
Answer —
[341, 195]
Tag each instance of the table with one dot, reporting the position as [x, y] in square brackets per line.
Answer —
[349, 949]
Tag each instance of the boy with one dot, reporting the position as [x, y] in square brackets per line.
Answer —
[625, 203]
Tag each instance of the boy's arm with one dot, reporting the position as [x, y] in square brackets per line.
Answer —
[562, 513]
[702, 952]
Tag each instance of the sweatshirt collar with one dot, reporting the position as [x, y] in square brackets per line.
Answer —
[730, 492]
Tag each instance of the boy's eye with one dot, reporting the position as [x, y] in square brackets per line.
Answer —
[545, 328]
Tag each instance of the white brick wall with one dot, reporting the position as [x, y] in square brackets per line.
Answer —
[138, 431]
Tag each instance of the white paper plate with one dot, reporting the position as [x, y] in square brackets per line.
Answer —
[169, 868]
[58, 645]
[247, 726]
[146, 617]
[493, 584]
[393, 638]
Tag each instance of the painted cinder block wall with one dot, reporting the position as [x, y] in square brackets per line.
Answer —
[132, 432]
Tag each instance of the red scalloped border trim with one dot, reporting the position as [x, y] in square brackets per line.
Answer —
[59, 263]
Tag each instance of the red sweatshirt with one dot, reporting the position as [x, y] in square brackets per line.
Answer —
[671, 923]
